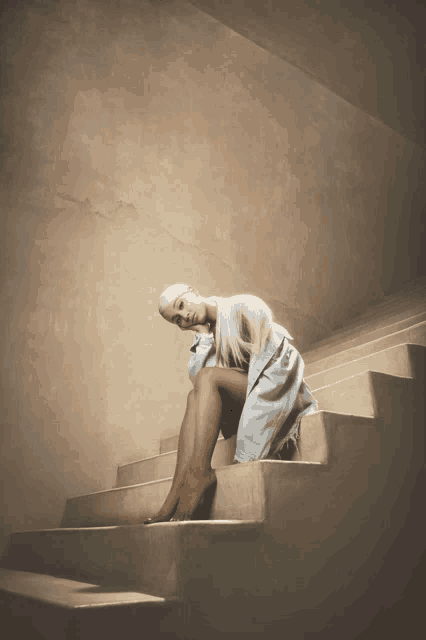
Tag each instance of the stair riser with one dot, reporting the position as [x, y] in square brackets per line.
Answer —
[394, 361]
[155, 468]
[129, 505]
[373, 504]
[330, 370]
[157, 560]
[240, 493]
[163, 466]
[361, 336]
[314, 446]
[169, 444]
[140, 558]
[413, 335]
[312, 424]
[357, 395]
[353, 396]
[69, 610]
[319, 439]
[239, 496]
[307, 523]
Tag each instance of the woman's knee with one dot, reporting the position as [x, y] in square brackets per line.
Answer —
[206, 377]
[190, 398]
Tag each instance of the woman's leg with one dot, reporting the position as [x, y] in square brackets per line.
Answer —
[216, 390]
[185, 446]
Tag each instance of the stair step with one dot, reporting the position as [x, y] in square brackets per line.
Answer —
[239, 495]
[71, 594]
[398, 361]
[163, 465]
[393, 310]
[169, 444]
[353, 395]
[325, 436]
[372, 466]
[360, 336]
[63, 609]
[385, 308]
[314, 445]
[402, 361]
[240, 492]
[329, 368]
[154, 559]
[412, 335]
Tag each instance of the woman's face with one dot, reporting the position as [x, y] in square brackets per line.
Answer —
[186, 311]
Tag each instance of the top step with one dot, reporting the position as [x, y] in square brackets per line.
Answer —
[359, 334]
[392, 306]
[414, 334]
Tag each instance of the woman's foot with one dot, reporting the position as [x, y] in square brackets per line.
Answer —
[192, 492]
[170, 505]
[161, 516]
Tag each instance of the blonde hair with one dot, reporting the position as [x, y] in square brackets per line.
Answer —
[172, 293]
[243, 327]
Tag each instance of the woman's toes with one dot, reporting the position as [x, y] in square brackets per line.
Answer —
[154, 520]
[159, 517]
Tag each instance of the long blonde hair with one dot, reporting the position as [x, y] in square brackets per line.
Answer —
[243, 327]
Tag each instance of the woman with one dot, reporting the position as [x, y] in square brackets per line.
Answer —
[248, 380]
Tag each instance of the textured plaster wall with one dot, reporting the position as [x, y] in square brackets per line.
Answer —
[146, 144]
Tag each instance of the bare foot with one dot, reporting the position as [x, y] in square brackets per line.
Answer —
[195, 486]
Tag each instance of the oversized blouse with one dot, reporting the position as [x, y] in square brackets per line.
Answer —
[277, 395]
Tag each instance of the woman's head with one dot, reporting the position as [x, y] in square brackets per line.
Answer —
[182, 305]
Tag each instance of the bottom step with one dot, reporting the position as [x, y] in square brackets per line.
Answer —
[35, 606]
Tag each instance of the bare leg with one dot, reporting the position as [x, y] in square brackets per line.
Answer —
[185, 447]
[215, 388]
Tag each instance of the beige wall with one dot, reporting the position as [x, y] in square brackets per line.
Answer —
[369, 53]
[151, 144]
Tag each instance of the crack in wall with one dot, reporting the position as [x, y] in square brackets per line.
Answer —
[87, 203]
[193, 245]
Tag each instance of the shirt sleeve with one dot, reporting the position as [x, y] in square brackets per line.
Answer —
[200, 350]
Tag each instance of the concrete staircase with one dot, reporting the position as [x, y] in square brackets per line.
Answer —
[283, 547]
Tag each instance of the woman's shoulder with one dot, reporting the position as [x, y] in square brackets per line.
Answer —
[280, 332]
[246, 300]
